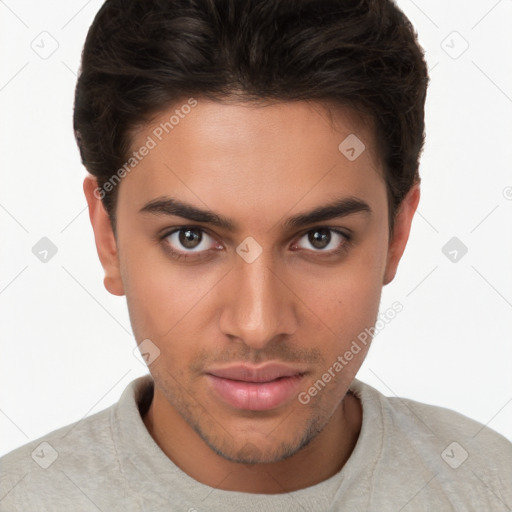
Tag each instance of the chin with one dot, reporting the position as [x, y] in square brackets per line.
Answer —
[262, 448]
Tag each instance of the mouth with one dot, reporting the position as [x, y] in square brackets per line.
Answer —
[254, 388]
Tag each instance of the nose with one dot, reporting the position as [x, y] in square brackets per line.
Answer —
[258, 307]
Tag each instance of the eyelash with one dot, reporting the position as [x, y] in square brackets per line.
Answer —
[200, 255]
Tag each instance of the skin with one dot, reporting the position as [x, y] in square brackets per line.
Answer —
[257, 165]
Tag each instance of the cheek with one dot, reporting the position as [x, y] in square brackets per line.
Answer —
[164, 299]
[151, 290]
[345, 298]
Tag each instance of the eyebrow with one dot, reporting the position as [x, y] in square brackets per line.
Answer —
[174, 207]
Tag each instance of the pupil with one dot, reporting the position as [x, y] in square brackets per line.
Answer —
[189, 237]
[320, 238]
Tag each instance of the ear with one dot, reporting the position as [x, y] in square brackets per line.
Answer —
[106, 244]
[403, 220]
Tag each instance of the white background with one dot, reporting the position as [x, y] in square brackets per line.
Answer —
[66, 344]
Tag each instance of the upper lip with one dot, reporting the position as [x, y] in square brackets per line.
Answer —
[264, 373]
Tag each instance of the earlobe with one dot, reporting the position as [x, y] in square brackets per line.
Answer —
[106, 244]
[403, 221]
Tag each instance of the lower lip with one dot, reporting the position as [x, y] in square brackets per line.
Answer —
[256, 396]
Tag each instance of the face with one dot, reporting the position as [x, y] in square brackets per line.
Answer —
[251, 302]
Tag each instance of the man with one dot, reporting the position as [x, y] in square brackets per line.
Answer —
[253, 179]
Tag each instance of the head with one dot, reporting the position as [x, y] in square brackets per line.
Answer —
[261, 114]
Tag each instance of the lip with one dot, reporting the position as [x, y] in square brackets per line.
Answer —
[256, 388]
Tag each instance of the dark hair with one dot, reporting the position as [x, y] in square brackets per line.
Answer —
[142, 56]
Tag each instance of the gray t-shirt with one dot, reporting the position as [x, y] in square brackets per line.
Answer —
[408, 457]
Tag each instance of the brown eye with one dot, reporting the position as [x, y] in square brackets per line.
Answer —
[189, 241]
[326, 240]
[319, 238]
[189, 238]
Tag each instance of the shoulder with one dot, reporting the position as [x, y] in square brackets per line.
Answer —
[452, 455]
[57, 460]
[62, 445]
[431, 421]
[463, 433]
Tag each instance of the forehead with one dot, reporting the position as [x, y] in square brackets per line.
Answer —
[248, 157]
[233, 124]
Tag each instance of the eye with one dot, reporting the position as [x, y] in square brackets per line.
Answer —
[191, 242]
[322, 240]
[187, 240]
